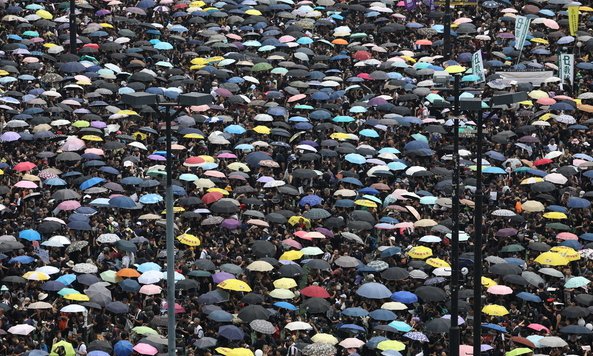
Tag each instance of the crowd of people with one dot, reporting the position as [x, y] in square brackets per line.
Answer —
[313, 195]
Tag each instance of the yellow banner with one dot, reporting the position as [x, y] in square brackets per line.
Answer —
[573, 19]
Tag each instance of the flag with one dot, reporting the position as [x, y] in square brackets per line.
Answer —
[521, 29]
[573, 19]
[566, 68]
[478, 65]
[410, 4]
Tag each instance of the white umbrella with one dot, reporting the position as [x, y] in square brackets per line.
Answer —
[503, 212]
[39, 305]
[21, 329]
[295, 325]
[150, 277]
[73, 308]
[556, 178]
[430, 239]
[351, 343]
[56, 241]
[85, 268]
[108, 238]
[552, 341]
[48, 270]
[418, 274]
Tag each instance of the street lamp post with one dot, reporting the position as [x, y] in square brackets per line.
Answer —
[72, 26]
[140, 99]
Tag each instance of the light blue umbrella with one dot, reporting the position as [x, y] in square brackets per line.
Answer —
[373, 290]
[343, 119]
[382, 315]
[148, 266]
[428, 200]
[235, 129]
[396, 166]
[151, 199]
[55, 182]
[493, 170]
[355, 312]
[369, 133]
[163, 46]
[576, 282]
[30, 235]
[355, 158]
[400, 326]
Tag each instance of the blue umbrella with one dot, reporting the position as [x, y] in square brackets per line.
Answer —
[320, 115]
[355, 312]
[123, 348]
[562, 106]
[91, 182]
[344, 203]
[353, 327]
[311, 200]
[21, 259]
[578, 203]
[495, 155]
[286, 305]
[495, 327]
[220, 316]
[79, 225]
[400, 326]
[383, 315]
[122, 202]
[30, 235]
[391, 251]
[587, 236]
[131, 180]
[404, 297]
[86, 210]
[374, 341]
[52, 286]
[352, 180]
[97, 353]
[55, 182]
[529, 297]
[66, 279]
[129, 285]
[572, 244]
[373, 290]
[355, 158]
[231, 332]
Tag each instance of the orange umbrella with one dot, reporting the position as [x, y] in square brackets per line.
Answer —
[340, 41]
[128, 273]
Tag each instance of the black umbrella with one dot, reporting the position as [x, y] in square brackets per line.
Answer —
[224, 207]
[395, 274]
[186, 284]
[503, 269]
[575, 312]
[252, 312]
[291, 270]
[263, 248]
[315, 306]
[437, 326]
[100, 345]
[431, 294]
[575, 329]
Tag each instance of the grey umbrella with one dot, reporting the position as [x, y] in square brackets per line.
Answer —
[317, 214]
[262, 326]
[205, 343]
[533, 278]
[318, 264]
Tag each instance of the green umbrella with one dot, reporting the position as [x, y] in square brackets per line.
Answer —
[519, 351]
[261, 67]
[559, 227]
[67, 348]
[512, 248]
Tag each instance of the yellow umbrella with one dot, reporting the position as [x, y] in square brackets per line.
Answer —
[223, 350]
[127, 112]
[176, 209]
[488, 282]
[420, 252]
[281, 293]
[531, 180]
[193, 135]
[495, 310]
[44, 14]
[297, 219]
[36, 276]
[238, 166]
[567, 252]
[555, 215]
[240, 351]
[366, 203]
[234, 285]
[552, 259]
[291, 255]
[219, 190]
[106, 25]
[586, 8]
[79, 297]
[189, 240]
[93, 138]
[341, 136]
[263, 130]
[391, 345]
[285, 283]
[539, 40]
[323, 338]
[437, 262]
[253, 12]
[207, 158]
[455, 69]
[538, 94]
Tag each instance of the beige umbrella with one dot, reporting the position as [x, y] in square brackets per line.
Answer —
[425, 223]
[260, 266]
[39, 305]
[533, 206]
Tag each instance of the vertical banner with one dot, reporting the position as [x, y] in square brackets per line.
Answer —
[478, 65]
[410, 4]
[573, 19]
[521, 29]
[566, 68]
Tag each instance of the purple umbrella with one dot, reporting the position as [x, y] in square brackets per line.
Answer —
[10, 136]
[221, 276]
[157, 158]
[230, 224]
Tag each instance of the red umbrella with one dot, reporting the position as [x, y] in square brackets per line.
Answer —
[362, 55]
[315, 292]
[193, 161]
[211, 197]
[541, 162]
[24, 166]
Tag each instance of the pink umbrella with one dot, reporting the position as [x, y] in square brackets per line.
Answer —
[145, 349]
[546, 101]
[68, 205]
[292, 243]
[499, 290]
[296, 98]
[25, 184]
[538, 327]
[95, 151]
[567, 236]
[178, 308]
[150, 289]
[73, 144]
[227, 155]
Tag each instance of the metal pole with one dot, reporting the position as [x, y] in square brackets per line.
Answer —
[170, 240]
[478, 242]
[447, 30]
[454, 339]
[72, 26]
